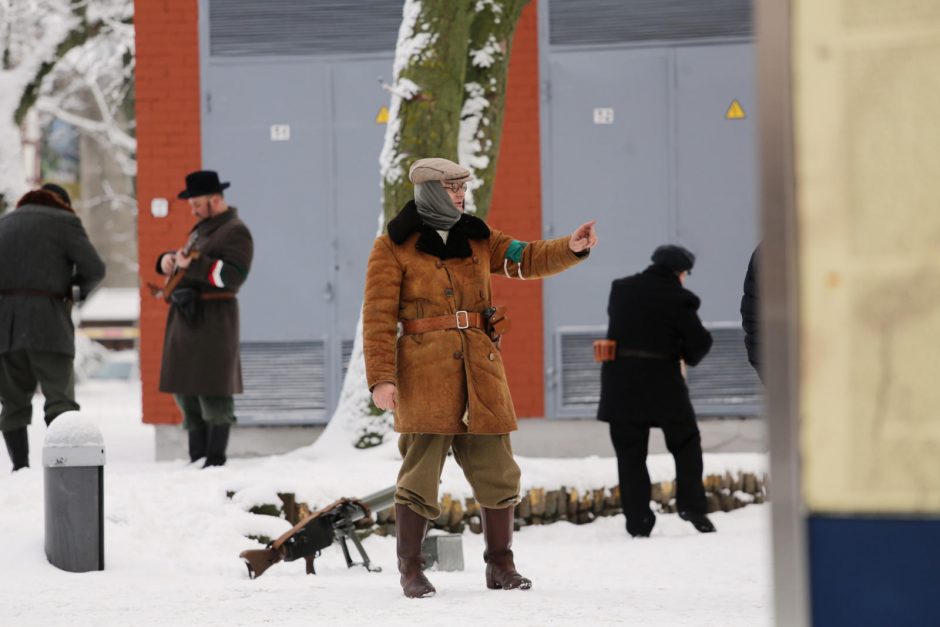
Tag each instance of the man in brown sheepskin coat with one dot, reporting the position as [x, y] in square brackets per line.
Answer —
[443, 375]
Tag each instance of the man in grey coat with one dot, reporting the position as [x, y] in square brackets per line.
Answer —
[201, 362]
[44, 254]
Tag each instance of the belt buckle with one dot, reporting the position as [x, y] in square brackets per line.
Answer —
[466, 319]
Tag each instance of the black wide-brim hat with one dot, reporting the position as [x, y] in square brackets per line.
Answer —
[202, 183]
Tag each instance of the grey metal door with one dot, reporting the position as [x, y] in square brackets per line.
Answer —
[661, 162]
[717, 171]
[281, 186]
[613, 169]
[309, 189]
[282, 189]
[357, 99]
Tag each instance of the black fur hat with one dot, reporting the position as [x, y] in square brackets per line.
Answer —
[675, 258]
[58, 191]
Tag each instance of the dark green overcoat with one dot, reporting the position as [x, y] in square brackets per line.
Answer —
[44, 251]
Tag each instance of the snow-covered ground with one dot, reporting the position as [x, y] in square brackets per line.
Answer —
[172, 540]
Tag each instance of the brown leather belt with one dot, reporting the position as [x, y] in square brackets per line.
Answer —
[630, 352]
[459, 320]
[217, 295]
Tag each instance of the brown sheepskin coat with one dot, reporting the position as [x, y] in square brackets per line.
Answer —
[448, 381]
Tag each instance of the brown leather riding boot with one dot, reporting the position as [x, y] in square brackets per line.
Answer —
[500, 569]
[409, 531]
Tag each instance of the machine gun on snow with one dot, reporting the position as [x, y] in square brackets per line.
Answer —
[335, 522]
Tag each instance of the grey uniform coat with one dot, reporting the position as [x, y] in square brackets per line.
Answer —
[201, 357]
[44, 250]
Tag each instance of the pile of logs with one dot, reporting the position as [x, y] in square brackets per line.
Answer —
[541, 507]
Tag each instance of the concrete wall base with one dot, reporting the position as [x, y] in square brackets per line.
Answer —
[172, 442]
[535, 438]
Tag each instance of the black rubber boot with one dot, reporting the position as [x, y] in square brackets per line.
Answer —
[198, 439]
[216, 443]
[17, 442]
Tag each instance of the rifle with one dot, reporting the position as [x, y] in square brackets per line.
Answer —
[318, 531]
[174, 279]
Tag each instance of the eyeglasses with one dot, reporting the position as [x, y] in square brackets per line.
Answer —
[455, 187]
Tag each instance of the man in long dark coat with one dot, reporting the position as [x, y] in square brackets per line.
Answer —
[44, 253]
[201, 361]
[655, 322]
[750, 313]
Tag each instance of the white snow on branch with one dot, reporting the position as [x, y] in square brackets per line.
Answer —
[404, 88]
[87, 87]
[30, 32]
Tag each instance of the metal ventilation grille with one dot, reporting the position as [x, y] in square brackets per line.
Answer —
[574, 22]
[724, 384]
[250, 28]
[346, 347]
[285, 383]
[580, 374]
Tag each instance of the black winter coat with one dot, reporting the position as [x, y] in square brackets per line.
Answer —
[202, 356]
[43, 248]
[651, 312]
[749, 313]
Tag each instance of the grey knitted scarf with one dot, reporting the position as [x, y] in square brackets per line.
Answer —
[435, 207]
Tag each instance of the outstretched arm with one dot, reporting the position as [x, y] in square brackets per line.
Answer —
[533, 260]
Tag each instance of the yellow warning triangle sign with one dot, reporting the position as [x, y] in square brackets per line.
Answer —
[735, 111]
[382, 116]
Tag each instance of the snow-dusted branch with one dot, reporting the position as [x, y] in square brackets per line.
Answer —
[113, 136]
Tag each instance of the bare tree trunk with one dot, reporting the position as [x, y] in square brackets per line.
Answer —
[481, 123]
[427, 92]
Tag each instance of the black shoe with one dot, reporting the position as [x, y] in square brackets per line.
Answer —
[17, 441]
[642, 527]
[216, 443]
[699, 521]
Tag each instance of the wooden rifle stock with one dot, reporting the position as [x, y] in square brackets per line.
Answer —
[174, 279]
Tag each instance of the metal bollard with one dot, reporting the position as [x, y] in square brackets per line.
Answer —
[73, 460]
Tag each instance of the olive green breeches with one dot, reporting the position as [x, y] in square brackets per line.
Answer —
[486, 461]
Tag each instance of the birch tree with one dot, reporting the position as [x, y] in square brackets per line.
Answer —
[447, 99]
[48, 50]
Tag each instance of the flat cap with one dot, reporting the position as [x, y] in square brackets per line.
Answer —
[675, 258]
[437, 169]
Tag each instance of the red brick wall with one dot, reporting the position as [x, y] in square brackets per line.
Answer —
[168, 139]
[517, 210]
[168, 134]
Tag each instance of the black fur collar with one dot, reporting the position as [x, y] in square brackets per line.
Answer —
[458, 242]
